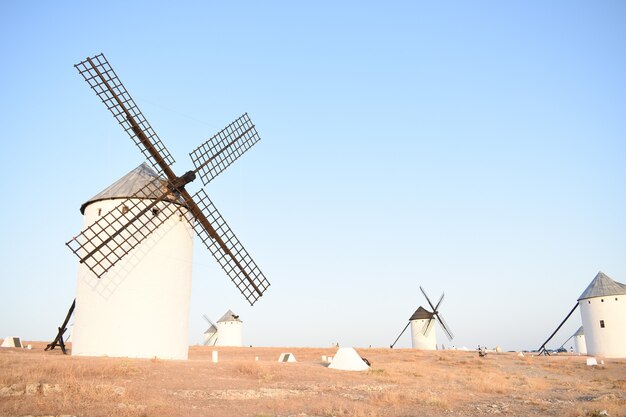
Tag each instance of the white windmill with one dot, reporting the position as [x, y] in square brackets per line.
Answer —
[210, 334]
[579, 341]
[135, 248]
[422, 322]
[229, 330]
[603, 313]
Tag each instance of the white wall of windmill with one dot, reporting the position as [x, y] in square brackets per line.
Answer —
[423, 334]
[608, 311]
[230, 333]
[139, 308]
[580, 346]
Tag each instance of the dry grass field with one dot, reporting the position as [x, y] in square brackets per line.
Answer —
[401, 382]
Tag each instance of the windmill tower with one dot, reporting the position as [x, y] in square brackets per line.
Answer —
[229, 330]
[210, 334]
[135, 249]
[603, 313]
[579, 341]
[422, 322]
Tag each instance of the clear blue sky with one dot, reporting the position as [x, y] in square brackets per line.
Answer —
[476, 148]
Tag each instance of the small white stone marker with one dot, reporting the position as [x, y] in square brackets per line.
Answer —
[256, 358]
[324, 359]
[592, 361]
[214, 356]
[330, 359]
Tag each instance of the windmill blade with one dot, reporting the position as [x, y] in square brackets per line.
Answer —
[428, 326]
[428, 299]
[226, 248]
[216, 154]
[439, 303]
[98, 73]
[101, 245]
[209, 320]
[445, 327]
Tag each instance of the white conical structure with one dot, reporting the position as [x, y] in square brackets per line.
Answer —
[12, 341]
[579, 341]
[422, 330]
[229, 330]
[286, 357]
[603, 313]
[140, 307]
[347, 359]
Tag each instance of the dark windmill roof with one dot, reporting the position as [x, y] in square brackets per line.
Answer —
[229, 316]
[603, 286]
[421, 313]
[128, 185]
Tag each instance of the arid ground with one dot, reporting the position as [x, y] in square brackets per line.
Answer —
[401, 382]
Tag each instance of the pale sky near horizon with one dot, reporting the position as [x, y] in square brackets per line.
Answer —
[473, 148]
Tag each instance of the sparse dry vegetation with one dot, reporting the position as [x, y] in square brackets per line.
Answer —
[401, 382]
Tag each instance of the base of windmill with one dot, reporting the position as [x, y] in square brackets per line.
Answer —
[286, 357]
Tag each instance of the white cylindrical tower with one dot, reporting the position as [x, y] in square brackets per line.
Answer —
[423, 330]
[603, 313]
[140, 307]
[579, 341]
[229, 330]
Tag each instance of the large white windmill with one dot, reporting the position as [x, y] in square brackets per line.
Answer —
[422, 323]
[135, 248]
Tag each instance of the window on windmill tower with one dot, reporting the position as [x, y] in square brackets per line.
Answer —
[124, 209]
[602, 324]
[99, 212]
[155, 211]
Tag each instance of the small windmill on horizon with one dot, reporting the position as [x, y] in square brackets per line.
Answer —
[422, 323]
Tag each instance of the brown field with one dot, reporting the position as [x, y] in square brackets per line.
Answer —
[401, 382]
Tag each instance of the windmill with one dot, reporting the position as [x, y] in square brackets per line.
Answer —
[119, 232]
[210, 334]
[422, 322]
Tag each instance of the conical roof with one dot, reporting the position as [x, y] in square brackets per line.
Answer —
[128, 185]
[421, 313]
[603, 286]
[579, 332]
[229, 316]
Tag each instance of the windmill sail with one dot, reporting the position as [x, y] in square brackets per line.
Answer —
[98, 73]
[106, 241]
[229, 252]
[217, 153]
[113, 236]
[445, 327]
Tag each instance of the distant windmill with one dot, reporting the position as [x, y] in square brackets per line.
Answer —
[422, 322]
[210, 334]
[135, 248]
